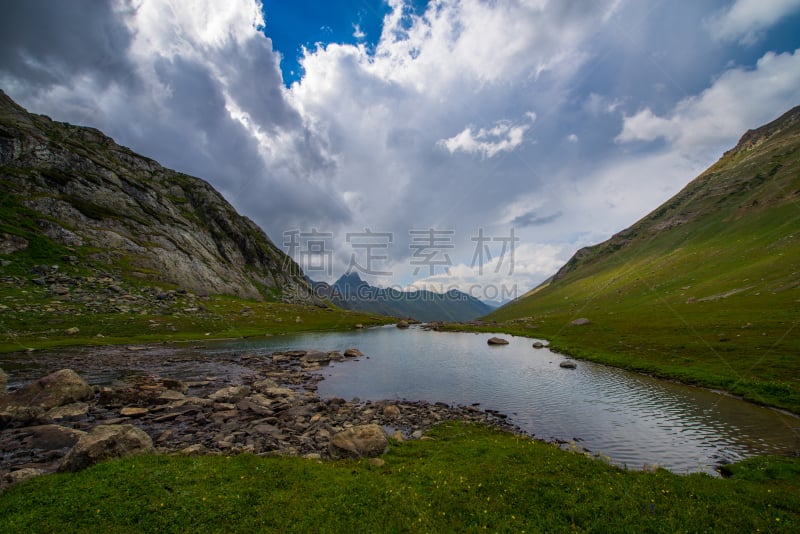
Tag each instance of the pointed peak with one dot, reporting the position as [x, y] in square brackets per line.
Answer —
[350, 278]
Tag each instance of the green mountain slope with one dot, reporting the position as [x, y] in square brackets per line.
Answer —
[705, 289]
[99, 244]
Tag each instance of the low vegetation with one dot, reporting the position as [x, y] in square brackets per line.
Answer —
[705, 289]
[466, 478]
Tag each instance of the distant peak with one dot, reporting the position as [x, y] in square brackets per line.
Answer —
[349, 278]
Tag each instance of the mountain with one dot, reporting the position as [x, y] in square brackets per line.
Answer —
[352, 293]
[70, 192]
[706, 288]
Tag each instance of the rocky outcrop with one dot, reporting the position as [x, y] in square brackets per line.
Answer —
[82, 189]
[106, 442]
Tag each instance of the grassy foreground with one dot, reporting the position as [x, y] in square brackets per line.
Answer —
[467, 478]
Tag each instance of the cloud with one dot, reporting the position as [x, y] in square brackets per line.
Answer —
[502, 137]
[195, 85]
[745, 20]
[531, 218]
[430, 127]
[738, 100]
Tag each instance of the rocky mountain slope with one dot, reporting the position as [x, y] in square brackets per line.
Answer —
[70, 193]
[706, 288]
[352, 293]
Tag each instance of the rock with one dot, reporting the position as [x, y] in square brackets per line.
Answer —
[230, 394]
[377, 462]
[193, 450]
[21, 475]
[335, 356]
[105, 442]
[417, 434]
[402, 324]
[398, 437]
[568, 364]
[3, 384]
[497, 341]
[391, 411]
[174, 385]
[359, 326]
[77, 409]
[72, 331]
[315, 357]
[51, 437]
[580, 322]
[538, 345]
[265, 384]
[171, 396]
[56, 389]
[133, 411]
[358, 441]
[353, 353]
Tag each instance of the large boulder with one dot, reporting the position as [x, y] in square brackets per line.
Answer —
[56, 389]
[31, 402]
[359, 441]
[105, 442]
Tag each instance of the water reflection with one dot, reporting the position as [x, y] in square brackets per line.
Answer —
[634, 419]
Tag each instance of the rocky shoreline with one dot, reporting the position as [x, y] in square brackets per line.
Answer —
[267, 405]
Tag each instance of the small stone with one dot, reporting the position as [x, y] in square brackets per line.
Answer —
[72, 331]
[568, 364]
[133, 411]
[193, 450]
[377, 462]
[417, 434]
[20, 475]
[538, 345]
[580, 322]
[497, 341]
[391, 411]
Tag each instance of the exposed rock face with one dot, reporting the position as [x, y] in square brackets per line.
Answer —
[364, 440]
[150, 221]
[106, 442]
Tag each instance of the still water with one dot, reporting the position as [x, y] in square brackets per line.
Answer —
[635, 420]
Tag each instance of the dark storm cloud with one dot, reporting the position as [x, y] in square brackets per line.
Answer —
[47, 43]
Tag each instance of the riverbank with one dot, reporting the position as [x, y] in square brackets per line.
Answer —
[195, 403]
[661, 353]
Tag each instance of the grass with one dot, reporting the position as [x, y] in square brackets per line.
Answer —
[465, 479]
[705, 290]
[217, 317]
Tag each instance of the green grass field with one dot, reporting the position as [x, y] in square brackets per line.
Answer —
[705, 289]
[464, 479]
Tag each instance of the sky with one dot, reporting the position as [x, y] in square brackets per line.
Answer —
[444, 144]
